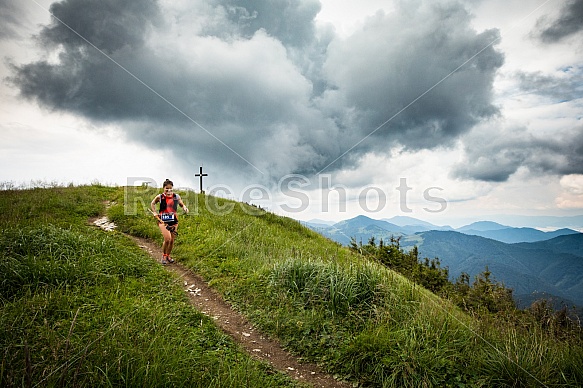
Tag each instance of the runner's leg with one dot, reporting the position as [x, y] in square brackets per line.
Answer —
[168, 239]
[171, 242]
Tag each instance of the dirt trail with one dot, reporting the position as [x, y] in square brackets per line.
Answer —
[209, 302]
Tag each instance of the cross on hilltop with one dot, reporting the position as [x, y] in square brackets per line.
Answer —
[201, 175]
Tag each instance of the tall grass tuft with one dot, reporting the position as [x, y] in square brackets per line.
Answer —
[339, 288]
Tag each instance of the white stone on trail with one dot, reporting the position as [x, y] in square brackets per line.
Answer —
[193, 290]
[105, 224]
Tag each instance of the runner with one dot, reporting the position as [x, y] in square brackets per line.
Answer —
[167, 217]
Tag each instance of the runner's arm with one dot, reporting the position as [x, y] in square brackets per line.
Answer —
[183, 206]
[153, 203]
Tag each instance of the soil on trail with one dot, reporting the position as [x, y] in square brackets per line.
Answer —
[209, 302]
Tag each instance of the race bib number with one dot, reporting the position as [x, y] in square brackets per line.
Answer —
[167, 217]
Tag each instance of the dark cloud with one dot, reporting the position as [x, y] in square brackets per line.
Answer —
[569, 22]
[565, 87]
[278, 93]
[84, 81]
[399, 57]
[108, 24]
[495, 154]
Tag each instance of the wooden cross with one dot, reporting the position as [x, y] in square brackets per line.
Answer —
[200, 175]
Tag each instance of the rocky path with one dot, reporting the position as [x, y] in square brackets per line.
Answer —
[209, 302]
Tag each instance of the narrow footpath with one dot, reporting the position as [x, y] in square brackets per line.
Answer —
[210, 303]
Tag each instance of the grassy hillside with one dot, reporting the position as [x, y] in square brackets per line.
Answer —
[357, 318]
[70, 312]
[84, 307]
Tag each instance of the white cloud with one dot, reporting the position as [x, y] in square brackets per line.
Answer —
[571, 195]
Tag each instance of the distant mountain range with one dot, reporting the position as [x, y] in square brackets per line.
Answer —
[553, 266]
[362, 228]
[531, 262]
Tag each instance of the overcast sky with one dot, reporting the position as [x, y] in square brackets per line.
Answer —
[439, 110]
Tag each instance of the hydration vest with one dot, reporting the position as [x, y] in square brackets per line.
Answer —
[168, 207]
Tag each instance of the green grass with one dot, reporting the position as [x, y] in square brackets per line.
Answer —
[84, 307]
[356, 318]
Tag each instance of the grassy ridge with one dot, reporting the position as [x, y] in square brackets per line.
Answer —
[83, 307]
[70, 313]
[357, 318]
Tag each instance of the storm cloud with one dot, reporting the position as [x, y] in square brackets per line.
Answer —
[496, 150]
[568, 23]
[257, 85]
[494, 154]
[397, 58]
